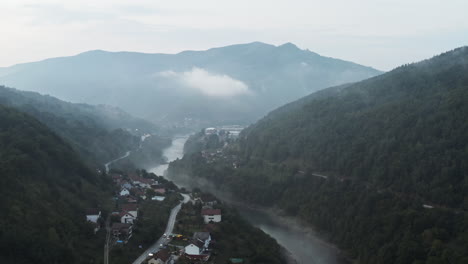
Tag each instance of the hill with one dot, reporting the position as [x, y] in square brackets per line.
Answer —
[99, 133]
[233, 84]
[45, 191]
[379, 165]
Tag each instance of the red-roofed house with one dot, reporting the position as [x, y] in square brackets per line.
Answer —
[160, 191]
[161, 257]
[211, 215]
[130, 208]
[126, 217]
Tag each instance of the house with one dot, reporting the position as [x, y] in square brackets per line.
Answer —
[126, 185]
[127, 218]
[160, 191]
[93, 214]
[140, 181]
[210, 131]
[122, 231]
[130, 208]
[132, 199]
[140, 193]
[211, 215]
[124, 192]
[198, 249]
[208, 199]
[158, 198]
[161, 257]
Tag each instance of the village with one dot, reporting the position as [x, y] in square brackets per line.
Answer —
[190, 239]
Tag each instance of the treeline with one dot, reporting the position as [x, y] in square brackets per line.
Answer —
[394, 153]
[45, 191]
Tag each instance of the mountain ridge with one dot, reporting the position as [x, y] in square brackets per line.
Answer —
[273, 74]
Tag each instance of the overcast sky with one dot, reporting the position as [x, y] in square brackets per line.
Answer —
[378, 33]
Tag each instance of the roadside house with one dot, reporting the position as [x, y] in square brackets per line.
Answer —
[198, 248]
[161, 257]
[211, 215]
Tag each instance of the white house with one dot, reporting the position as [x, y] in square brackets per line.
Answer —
[199, 246]
[193, 249]
[93, 214]
[211, 215]
[130, 208]
[158, 198]
[127, 218]
[124, 192]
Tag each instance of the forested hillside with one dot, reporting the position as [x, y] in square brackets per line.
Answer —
[98, 133]
[380, 165]
[45, 191]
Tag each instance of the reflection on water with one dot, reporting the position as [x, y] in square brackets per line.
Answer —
[300, 241]
[173, 152]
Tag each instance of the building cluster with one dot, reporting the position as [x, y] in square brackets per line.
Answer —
[198, 248]
[224, 132]
[130, 190]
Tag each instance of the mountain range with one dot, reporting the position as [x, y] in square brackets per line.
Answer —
[232, 84]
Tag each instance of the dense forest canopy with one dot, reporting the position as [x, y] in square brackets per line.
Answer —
[380, 166]
[45, 191]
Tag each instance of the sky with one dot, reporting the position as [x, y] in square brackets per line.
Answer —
[379, 33]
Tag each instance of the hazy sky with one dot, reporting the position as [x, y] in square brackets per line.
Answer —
[378, 33]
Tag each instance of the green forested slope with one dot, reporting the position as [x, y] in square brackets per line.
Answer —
[389, 145]
[98, 133]
[45, 190]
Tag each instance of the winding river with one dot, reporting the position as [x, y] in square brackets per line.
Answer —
[302, 242]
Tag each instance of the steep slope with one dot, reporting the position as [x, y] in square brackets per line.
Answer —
[379, 165]
[99, 133]
[45, 191]
[237, 83]
[407, 127]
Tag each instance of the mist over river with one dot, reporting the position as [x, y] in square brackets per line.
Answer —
[302, 242]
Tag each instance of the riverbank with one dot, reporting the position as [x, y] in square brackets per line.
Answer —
[301, 241]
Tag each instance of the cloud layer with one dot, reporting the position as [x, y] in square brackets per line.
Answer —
[207, 83]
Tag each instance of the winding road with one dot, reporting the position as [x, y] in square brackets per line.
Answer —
[169, 228]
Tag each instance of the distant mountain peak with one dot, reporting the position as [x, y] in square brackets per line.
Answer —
[289, 45]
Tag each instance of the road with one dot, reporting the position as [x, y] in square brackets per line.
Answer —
[117, 159]
[107, 245]
[143, 138]
[320, 175]
[169, 228]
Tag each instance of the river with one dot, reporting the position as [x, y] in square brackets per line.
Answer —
[302, 242]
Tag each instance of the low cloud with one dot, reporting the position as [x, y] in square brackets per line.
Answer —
[208, 83]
